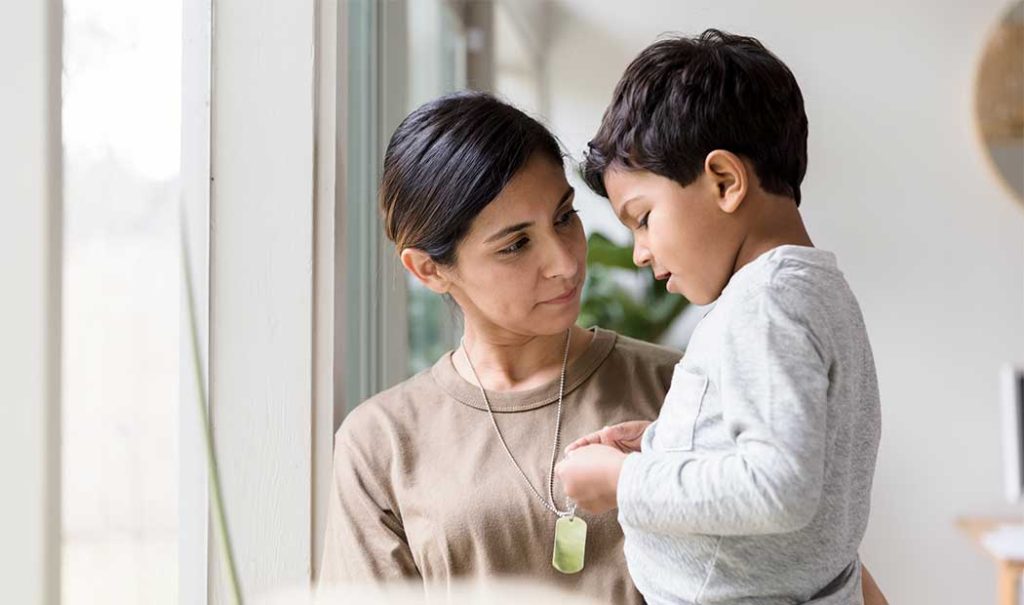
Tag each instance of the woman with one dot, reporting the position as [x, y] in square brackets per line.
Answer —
[450, 473]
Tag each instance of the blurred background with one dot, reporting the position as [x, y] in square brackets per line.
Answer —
[267, 125]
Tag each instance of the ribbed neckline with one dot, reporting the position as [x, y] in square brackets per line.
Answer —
[579, 370]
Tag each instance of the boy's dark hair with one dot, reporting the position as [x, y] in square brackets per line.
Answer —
[448, 160]
[682, 98]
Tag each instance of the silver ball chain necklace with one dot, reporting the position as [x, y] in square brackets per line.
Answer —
[570, 530]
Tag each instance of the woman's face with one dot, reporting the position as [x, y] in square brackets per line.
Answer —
[520, 268]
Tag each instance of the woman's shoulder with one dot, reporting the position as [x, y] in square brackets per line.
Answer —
[632, 360]
[639, 351]
[638, 372]
[387, 415]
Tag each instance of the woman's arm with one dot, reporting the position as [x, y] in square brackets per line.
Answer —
[872, 594]
[365, 540]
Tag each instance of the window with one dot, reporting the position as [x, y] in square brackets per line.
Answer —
[437, 65]
[430, 48]
[121, 118]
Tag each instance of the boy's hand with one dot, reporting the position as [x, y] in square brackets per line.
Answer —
[624, 437]
[590, 476]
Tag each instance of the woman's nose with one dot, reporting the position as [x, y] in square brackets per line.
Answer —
[561, 261]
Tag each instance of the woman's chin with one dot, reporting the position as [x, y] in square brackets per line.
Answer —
[563, 320]
[551, 321]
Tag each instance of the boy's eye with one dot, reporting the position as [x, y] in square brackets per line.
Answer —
[516, 247]
[643, 221]
[566, 217]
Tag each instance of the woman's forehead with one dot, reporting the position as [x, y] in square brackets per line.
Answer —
[538, 187]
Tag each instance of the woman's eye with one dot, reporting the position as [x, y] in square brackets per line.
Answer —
[643, 221]
[516, 247]
[565, 218]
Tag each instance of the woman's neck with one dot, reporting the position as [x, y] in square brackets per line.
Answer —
[508, 362]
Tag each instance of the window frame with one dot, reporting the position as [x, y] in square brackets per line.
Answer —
[194, 518]
[31, 179]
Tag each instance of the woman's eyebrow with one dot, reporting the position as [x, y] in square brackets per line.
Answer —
[522, 226]
[565, 198]
[507, 231]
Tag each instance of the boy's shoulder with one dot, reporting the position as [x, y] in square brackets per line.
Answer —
[795, 276]
[793, 286]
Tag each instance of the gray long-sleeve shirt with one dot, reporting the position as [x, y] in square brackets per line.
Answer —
[753, 485]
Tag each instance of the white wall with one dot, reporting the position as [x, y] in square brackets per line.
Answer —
[899, 187]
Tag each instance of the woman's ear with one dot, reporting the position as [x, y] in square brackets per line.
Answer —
[424, 268]
[728, 176]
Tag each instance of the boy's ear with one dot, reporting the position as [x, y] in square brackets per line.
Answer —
[728, 176]
[424, 269]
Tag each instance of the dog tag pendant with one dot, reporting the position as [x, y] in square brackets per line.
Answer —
[570, 544]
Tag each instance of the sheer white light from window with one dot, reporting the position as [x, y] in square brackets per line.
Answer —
[121, 118]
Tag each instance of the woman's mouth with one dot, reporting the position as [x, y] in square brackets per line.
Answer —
[563, 298]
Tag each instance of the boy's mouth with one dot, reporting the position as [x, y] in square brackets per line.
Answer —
[666, 277]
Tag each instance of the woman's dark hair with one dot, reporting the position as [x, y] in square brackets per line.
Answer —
[682, 98]
[449, 159]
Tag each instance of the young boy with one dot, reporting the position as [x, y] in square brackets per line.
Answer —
[753, 485]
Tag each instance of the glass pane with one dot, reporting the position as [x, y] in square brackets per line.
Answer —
[517, 75]
[436, 65]
[121, 134]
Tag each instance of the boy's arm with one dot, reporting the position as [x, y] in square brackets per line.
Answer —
[773, 387]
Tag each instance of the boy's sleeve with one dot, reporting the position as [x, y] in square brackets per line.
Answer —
[773, 388]
[365, 541]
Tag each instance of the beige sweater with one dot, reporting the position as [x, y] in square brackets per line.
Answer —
[424, 490]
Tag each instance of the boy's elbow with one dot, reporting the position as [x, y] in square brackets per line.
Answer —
[790, 490]
[794, 517]
[796, 508]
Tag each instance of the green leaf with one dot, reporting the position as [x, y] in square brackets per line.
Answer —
[607, 303]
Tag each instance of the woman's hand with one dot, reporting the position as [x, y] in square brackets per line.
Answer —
[624, 437]
[590, 476]
[872, 593]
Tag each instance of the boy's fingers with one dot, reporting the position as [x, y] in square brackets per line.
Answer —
[608, 435]
[630, 430]
[583, 441]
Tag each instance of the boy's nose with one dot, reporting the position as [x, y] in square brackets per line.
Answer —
[641, 255]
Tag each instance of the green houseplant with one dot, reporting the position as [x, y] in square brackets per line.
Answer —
[607, 302]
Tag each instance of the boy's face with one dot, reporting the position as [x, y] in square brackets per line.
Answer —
[682, 233]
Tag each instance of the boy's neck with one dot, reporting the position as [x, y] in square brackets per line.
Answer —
[776, 221]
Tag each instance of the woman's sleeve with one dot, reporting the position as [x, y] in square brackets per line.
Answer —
[365, 541]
